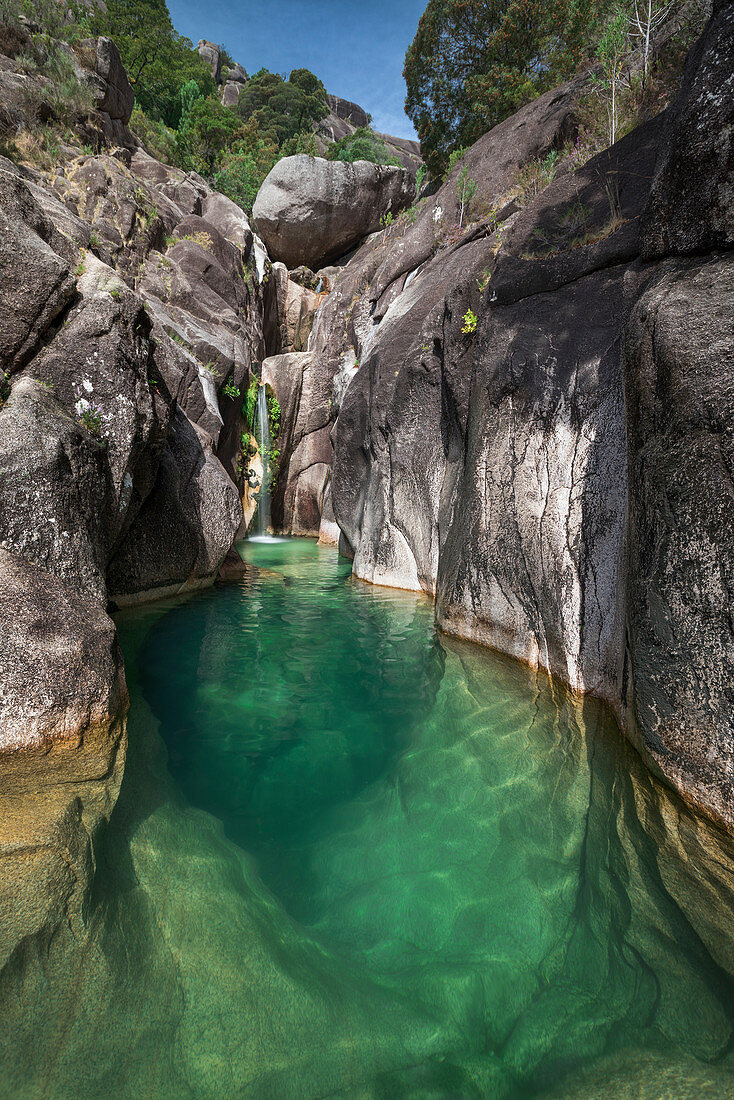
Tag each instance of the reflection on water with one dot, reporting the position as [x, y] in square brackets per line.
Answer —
[371, 863]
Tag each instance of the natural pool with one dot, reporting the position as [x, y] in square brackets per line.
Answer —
[352, 858]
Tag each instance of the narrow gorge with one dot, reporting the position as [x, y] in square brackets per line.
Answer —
[366, 677]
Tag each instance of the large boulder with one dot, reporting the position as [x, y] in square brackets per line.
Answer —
[115, 93]
[210, 53]
[311, 211]
[679, 383]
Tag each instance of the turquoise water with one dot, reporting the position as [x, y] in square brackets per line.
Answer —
[353, 858]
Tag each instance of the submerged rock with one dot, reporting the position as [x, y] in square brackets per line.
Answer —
[310, 211]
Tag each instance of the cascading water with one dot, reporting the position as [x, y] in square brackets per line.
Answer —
[262, 431]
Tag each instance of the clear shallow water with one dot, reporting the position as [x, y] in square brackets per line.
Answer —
[352, 858]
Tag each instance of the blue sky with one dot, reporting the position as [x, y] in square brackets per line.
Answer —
[357, 49]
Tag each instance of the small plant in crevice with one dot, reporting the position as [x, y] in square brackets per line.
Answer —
[90, 417]
[470, 322]
[4, 387]
[250, 404]
[536, 176]
[273, 414]
[386, 221]
[230, 390]
[483, 280]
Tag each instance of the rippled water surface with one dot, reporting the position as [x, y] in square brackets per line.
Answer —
[354, 858]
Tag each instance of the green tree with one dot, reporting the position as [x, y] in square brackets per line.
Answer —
[158, 60]
[473, 62]
[363, 144]
[243, 167]
[206, 131]
[611, 49]
[283, 108]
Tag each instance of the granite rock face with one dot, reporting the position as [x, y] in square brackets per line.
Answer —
[289, 310]
[35, 277]
[311, 211]
[209, 52]
[531, 416]
[302, 386]
[117, 97]
[679, 382]
[133, 311]
[344, 117]
[186, 526]
[691, 207]
[61, 669]
[63, 714]
[55, 496]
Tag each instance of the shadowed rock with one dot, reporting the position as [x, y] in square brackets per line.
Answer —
[690, 206]
[186, 526]
[678, 368]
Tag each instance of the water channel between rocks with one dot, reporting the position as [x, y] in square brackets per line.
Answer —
[354, 858]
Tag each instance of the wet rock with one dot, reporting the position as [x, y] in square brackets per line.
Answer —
[310, 211]
[62, 746]
[61, 669]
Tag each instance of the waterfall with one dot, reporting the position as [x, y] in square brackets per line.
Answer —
[262, 434]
